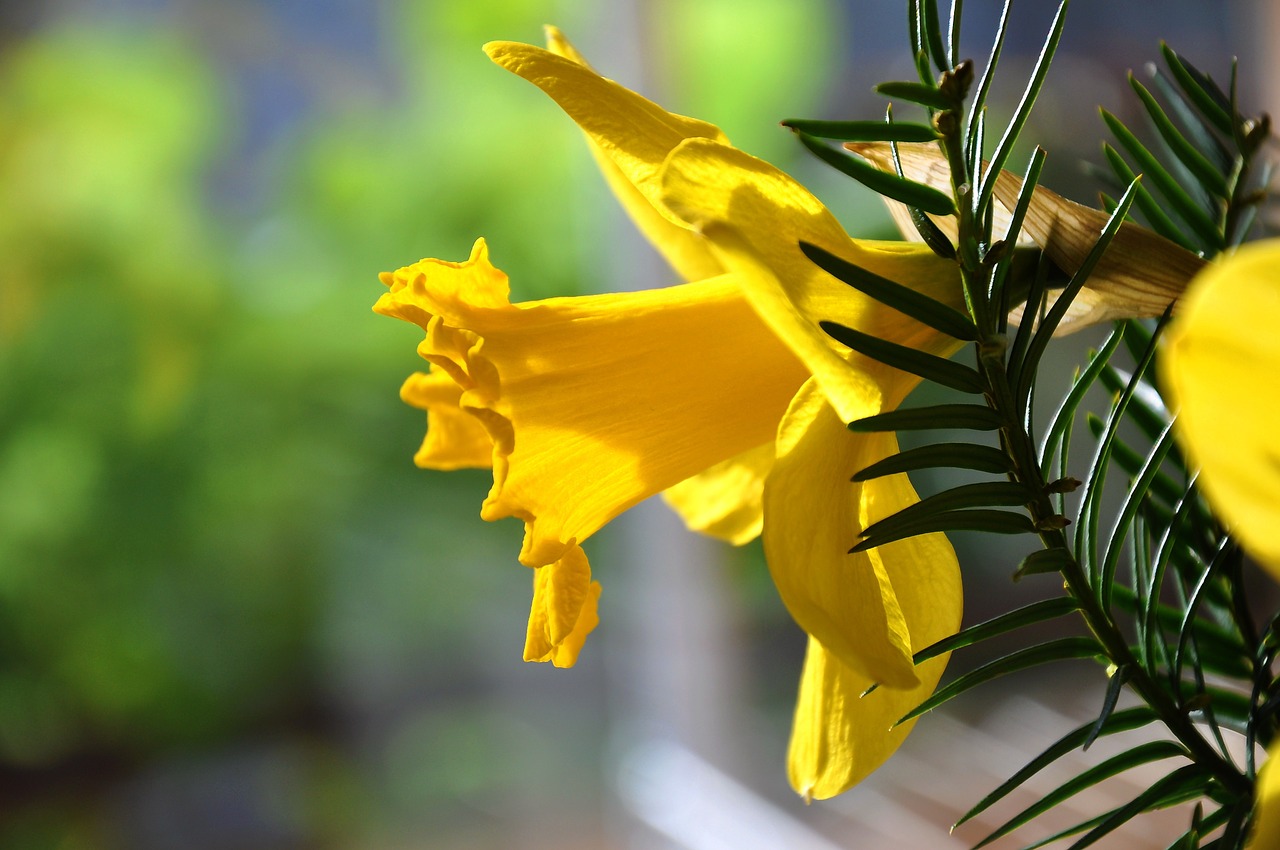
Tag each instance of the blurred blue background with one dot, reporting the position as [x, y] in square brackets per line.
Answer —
[232, 612]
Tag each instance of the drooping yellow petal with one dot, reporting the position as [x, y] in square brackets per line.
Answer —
[755, 218]
[595, 403]
[1138, 277]
[725, 501]
[563, 611]
[629, 136]
[838, 736]
[455, 439]
[815, 513]
[1265, 834]
[1219, 366]
[853, 603]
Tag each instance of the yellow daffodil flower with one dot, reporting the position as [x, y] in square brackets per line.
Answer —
[722, 391]
[584, 406]
[1218, 365]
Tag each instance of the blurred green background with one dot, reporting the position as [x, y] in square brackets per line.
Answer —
[232, 613]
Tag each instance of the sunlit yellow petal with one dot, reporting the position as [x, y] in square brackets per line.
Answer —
[595, 403]
[854, 604]
[838, 736]
[755, 217]
[1220, 362]
[560, 45]
[815, 513]
[563, 611]
[629, 135]
[455, 439]
[725, 500]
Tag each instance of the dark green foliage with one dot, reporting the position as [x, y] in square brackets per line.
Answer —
[1115, 723]
[951, 455]
[920, 307]
[1139, 755]
[1147, 568]
[1005, 147]
[924, 95]
[990, 521]
[937, 369]
[999, 292]
[1062, 649]
[863, 131]
[972, 417]
[1204, 170]
[890, 185]
[1037, 612]
[932, 235]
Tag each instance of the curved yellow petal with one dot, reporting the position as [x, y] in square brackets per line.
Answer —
[455, 439]
[725, 501]
[1219, 365]
[629, 135]
[595, 403]
[839, 736]
[563, 611]
[755, 217]
[814, 515]
[868, 608]
[1265, 834]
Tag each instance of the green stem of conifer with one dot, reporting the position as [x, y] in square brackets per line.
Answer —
[1018, 444]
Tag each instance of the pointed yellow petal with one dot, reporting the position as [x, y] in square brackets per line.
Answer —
[838, 736]
[595, 403]
[560, 45]
[755, 216]
[852, 603]
[1138, 277]
[725, 500]
[455, 439]
[563, 611]
[1220, 361]
[629, 135]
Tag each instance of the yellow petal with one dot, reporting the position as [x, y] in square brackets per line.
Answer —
[755, 216]
[1266, 807]
[838, 736]
[595, 403]
[1138, 277]
[815, 513]
[725, 501]
[455, 439]
[629, 135]
[563, 611]
[1219, 365]
[853, 603]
